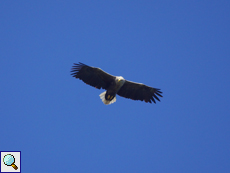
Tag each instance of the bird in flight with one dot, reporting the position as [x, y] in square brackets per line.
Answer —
[114, 85]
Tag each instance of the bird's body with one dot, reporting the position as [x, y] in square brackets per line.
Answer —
[109, 96]
[114, 85]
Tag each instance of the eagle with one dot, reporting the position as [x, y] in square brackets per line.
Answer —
[114, 85]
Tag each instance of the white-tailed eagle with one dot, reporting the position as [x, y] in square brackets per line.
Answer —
[114, 85]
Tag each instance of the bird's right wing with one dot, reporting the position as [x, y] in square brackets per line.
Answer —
[92, 76]
[139, 91]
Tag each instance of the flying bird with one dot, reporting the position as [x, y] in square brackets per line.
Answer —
[114, 85]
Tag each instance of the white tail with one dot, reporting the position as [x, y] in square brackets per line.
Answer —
[107, 102]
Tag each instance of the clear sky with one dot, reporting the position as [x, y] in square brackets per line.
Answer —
[61, 125]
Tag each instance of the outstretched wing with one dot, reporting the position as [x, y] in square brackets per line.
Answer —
[92, 76]
[138, 91]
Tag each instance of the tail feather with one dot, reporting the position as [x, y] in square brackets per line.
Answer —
[107, 102]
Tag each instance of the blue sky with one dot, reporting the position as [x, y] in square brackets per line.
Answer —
[61, 125]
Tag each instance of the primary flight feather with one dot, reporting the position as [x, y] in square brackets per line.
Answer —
[114, 85]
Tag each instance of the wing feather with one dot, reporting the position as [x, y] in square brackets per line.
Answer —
[139, 91]
[92, 76]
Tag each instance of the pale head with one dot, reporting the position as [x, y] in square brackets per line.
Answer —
[120, 80]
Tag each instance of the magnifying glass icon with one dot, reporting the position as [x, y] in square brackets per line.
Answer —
[9, 160]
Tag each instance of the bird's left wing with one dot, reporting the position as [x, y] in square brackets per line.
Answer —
[92, 76]
[139, 91]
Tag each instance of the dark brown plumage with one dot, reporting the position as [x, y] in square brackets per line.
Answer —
[114, 85]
